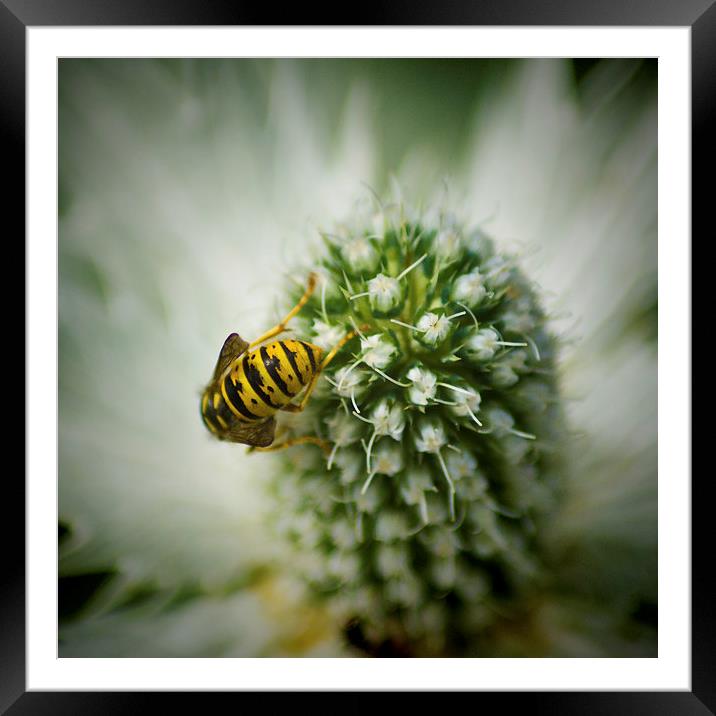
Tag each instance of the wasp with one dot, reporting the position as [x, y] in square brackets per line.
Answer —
[253, 381]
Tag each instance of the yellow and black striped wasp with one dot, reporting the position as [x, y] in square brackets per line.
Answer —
[252, 382]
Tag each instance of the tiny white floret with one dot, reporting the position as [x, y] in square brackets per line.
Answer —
[388, 421]
[517, 321]
[377, 353]
[327, 336]
[392, 560]
[388, 460]
[447, 243]
[347, 381]
[501, 421]
[384, 292]
[390, 526]
[469, 289]
[343, 534]
[351, 464]
[483, 344]
[424, 385]
[343, 429]
[461, 464]
[467, 403]
[431, 438]
[360, 254]
[497, 271]
[433, 327]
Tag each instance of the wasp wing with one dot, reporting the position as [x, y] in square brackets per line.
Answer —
[233, 347]
[254, 434]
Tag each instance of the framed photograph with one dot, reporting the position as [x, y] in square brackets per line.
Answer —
[358, 341]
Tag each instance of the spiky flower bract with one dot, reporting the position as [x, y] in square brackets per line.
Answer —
[444, 421]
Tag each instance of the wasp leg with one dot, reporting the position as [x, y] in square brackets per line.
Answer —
[312, 439]
[281, 327]
[292, 407]
[337, 347]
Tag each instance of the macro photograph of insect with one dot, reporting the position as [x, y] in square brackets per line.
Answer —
[357, 358]
[249, 386]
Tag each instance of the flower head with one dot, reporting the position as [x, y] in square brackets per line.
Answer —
[415, 451]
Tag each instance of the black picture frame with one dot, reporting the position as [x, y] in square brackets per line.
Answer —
[17, 15]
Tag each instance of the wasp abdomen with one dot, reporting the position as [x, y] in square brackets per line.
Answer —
[215, 412]
[265, 380]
